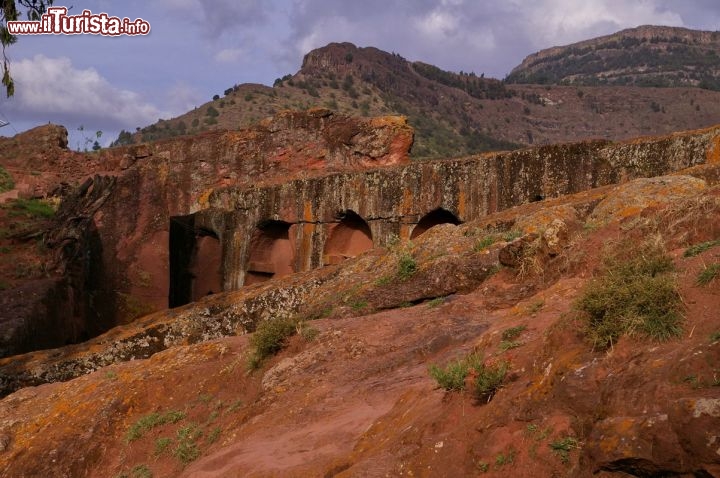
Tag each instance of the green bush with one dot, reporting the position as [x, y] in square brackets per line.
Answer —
[635, 295]
[488, 378]
[406, 266]
[452, 377]
[269, 338]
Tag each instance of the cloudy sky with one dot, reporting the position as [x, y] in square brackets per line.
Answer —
[198, 48]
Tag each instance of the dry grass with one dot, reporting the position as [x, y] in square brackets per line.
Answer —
[636, 294]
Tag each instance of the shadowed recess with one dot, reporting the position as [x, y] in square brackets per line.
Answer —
[349, 238]
[271, 252]
[432, 219]
[195, 262]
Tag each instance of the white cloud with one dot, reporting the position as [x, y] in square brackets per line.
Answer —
[181, 98]
[230, 55]
[556, 22]
[52, 89]
[438, 24]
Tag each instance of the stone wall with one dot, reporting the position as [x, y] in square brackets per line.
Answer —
[392, 200]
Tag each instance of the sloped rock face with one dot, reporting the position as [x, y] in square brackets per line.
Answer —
[357, 400]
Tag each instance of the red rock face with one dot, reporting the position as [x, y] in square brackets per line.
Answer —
[358, 398]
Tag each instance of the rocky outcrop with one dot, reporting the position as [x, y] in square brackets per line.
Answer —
[355, 397]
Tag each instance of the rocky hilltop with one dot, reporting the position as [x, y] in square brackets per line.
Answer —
[642, 56]
[457, 113]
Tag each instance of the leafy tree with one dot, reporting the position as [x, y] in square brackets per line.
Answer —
[8, 13]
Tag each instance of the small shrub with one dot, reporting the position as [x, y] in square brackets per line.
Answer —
[406, 267]
[635, 295]
[489, 379]
[700, 248]
[384, 280]
[306, 332]
[187, 449]
[162, 444]
[214, 435]
[506, 345]
[503, 459]
[269, 338]
[715, 337]
[708, 274]
[452, 377]
[484, 243]
[563, 447]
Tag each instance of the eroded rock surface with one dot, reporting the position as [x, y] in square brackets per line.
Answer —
[357, 399]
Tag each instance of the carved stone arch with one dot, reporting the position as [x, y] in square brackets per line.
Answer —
[271, 252]
[348, 238]
[434, 218]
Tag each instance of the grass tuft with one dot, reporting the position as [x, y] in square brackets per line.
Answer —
[187, 449]
[487, 378]
[148, 422]
[34, 208]
[700, 248]
[513, 332]
[708, 274]
[562, 448]
[483, 243]
[635, 295]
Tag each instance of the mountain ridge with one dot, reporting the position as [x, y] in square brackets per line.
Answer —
[643, 56]
[455, 114]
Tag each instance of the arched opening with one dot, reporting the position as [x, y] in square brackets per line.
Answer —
[271, 253]
[349, 238]
[195, 262]
[432, 219]
[206, 266]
